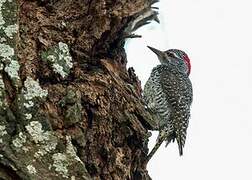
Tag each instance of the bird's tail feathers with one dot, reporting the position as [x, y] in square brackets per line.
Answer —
[170, 138]
[180, 146]
[181, 141]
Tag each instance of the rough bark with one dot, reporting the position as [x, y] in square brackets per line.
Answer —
[69, 108]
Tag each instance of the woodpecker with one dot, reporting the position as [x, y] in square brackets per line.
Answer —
[168, 95]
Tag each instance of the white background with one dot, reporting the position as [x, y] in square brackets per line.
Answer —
[217, 36]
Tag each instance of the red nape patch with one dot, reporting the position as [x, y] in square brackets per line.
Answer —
[187, 60]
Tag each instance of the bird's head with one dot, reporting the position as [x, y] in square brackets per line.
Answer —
[174, 56]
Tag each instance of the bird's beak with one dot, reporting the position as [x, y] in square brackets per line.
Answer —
[156, 51]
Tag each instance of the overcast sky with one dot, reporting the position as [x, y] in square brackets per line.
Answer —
[217, 36]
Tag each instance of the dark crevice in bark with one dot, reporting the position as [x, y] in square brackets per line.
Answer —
[6, 173]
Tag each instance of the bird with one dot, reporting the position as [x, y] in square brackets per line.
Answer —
[168, 95]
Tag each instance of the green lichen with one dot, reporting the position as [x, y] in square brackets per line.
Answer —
[6, 52]
[73, 114]
[12, 68]
[61, 163]
[59, 58]
[72, 103]
[2, 39]
[19, 141]
[36, 132]
[28, 105]
[46, 140]
[11, 30]
[28, 101]
[70, 98]
[2, 132]
[1, 14]
[8, 30]
[31, 169]
[7, 57]
[28, 116]
[71, 151]
[8, 13]
[2, 93]
[46, 148]
[32, 91]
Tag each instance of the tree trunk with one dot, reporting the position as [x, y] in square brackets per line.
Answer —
[69, 108]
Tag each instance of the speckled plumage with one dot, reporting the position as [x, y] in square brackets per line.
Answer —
[168, 95]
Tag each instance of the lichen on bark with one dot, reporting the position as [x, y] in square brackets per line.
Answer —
[59, 58]
[69, 108]
[8, 30]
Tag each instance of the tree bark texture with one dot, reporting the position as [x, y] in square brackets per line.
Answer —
[69, 108]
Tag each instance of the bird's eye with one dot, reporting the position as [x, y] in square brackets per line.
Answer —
[171, 54]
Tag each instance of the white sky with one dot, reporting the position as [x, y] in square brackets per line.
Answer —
[217, 36]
